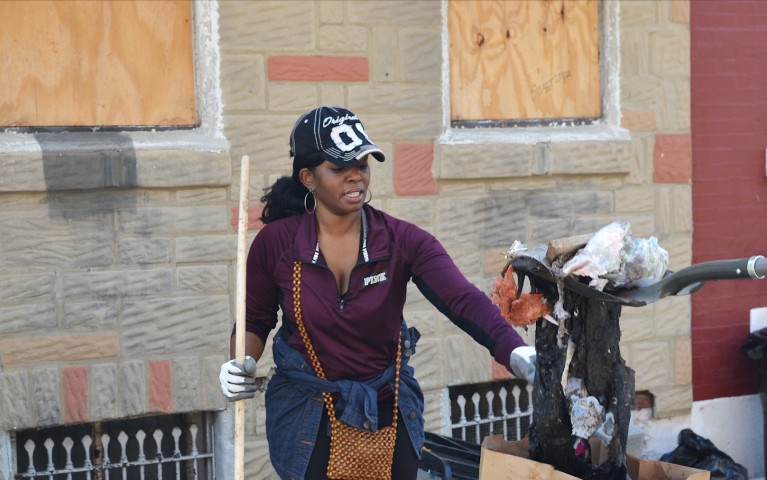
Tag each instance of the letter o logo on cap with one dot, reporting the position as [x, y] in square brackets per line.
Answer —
[335, 135]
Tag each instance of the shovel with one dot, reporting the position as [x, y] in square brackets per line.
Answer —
[682, 282]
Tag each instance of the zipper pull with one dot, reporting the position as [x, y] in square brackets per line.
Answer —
[342, 302]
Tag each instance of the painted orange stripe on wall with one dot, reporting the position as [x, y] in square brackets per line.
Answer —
[160, 385]
[254, 217]
[412, 169]
[75, 386]
[672, 159]
[318, 68]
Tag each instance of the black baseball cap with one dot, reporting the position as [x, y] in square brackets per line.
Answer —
[333, 133]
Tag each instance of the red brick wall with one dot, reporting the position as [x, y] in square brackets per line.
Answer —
[729, 189]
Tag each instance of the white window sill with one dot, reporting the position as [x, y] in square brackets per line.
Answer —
[464, 153]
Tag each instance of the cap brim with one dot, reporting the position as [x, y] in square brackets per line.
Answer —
[371, 150]
[363, 151]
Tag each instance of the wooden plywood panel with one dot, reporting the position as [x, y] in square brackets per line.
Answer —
[96, 63]
[524, 59]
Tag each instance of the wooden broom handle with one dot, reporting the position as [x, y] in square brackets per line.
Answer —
[239, 332]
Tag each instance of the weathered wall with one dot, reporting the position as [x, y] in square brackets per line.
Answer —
[138, 269]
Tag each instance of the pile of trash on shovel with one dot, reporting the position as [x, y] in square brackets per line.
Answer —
[610, 258]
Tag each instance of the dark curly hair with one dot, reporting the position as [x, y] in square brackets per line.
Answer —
[286, 196]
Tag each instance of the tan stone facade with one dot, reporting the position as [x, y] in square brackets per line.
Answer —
[118, 279]
[494, 189]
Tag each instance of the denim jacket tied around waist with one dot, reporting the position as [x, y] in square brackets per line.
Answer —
[294, 404]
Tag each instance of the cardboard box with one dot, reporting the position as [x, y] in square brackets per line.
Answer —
[507, 460]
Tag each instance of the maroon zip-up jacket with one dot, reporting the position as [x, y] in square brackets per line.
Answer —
[355, 333]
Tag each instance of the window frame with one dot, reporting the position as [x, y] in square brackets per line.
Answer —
[154, 153]
[605, 128]
[534, 120]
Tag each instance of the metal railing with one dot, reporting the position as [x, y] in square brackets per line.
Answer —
[128, 454]
[478, 410]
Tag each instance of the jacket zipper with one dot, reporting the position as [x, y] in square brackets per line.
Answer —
[342, 299]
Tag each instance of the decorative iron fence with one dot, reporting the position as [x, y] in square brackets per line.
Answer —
[500, 407]
[152, 448]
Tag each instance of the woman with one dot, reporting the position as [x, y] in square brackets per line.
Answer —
[350, 264]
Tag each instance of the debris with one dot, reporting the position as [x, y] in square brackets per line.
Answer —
[515, 248]
[586, 416]
[562, 246]
[644, 263]
[565, 371]
[613, 258]
[583, 387]
[584, 354]
[520, 309]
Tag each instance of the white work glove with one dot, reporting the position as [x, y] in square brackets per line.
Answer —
[522, 363]
[238, 381]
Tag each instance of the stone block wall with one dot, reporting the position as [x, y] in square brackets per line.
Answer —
[114, 303]
[118, 283]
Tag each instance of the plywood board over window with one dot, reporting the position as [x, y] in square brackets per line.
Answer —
[96, 63]
[524, 59]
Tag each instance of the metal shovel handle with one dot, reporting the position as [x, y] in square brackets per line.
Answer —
[753, 267]
[681, 282]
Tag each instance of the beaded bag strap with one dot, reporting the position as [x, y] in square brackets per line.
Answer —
[313, 355]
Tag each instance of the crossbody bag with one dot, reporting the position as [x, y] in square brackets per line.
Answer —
[354, 454]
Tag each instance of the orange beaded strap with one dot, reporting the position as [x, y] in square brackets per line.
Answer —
[354, 453]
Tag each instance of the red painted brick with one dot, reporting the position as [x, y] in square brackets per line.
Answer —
[318, 68]
[254, 217]
[160, 385]
[729, 194]
[672, 159]
[75, 386]
[718, 361]
[412, 169]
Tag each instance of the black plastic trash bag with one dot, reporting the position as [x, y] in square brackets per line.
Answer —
[698, 452]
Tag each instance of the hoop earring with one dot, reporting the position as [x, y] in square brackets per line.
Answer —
[371, 196]
[306, 198]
